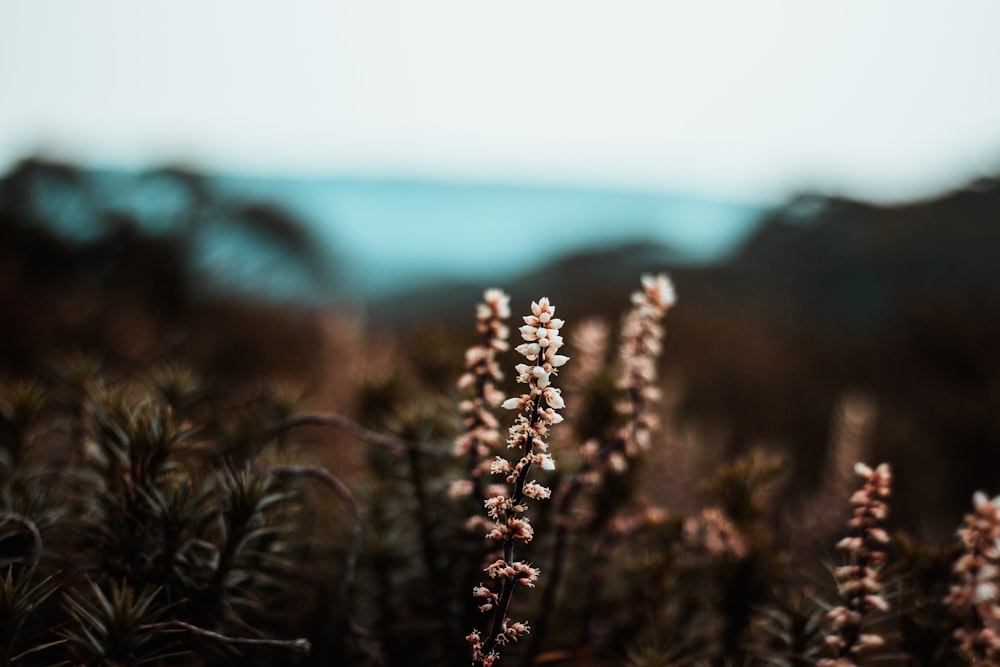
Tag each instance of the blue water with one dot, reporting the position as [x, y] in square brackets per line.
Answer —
[388, 236]
[372, 238]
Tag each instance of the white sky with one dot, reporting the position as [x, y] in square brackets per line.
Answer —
[740, 99]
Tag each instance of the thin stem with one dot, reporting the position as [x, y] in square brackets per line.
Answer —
[338, 487]
[425, 519]
[355, 429]
[299, 646]
[555, 568]
[599, 558]
[361, 634]
[507, 591]
[424, 516]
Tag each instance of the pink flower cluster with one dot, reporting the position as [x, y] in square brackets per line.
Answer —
[640, 347]
[481, 436]
[859, 579]
[977, 570]
[537, 408]
[541, 346]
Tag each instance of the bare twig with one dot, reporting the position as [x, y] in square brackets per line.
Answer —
[326, 477]
[338, 487]
[355, 429]
[32, 528]
[567, 497]
[299, 646]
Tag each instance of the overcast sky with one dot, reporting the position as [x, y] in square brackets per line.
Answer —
[747, 100]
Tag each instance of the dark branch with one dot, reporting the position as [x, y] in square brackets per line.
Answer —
[298, 646]
[36, 535]
[326, 477]
[355, 429]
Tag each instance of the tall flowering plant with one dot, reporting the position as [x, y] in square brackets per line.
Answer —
[481, 435]
[641, 344]
[537, 411]
[977, 590]
[859, 579]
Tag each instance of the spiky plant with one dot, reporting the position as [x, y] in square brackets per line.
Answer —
[251, 555]
[24, 634]
[789, 631]
[116, 627]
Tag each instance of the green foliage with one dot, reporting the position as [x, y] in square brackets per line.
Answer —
[789, 631]
[116, 628]
[130, 500]
[926, 625]
[739, 487]
[22, 595]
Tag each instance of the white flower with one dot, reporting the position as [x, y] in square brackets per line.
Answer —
[869, 640]
[460, 488]
[984, 592]
[542, 306]
[537, 491]
[554, 398]
[498, 301]
[552, 416]
[539, 372]
[877, 602]
[529, 350]
[660, 290]
[979, 499]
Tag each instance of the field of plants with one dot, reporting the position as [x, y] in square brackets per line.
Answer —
[515, 487]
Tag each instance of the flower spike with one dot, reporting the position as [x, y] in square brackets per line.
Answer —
[537, 411]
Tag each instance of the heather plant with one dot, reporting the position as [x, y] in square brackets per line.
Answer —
[977, 593]
[537, 410]
[481, 436]
[859, 580]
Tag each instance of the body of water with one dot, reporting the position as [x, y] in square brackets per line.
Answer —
[388, 235]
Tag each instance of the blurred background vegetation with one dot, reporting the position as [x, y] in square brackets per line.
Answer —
[895, 306]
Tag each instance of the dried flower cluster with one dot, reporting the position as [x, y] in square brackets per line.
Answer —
[977, 589]
[859, 579]
[481, 436]
[537, 411]
[640, 346]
